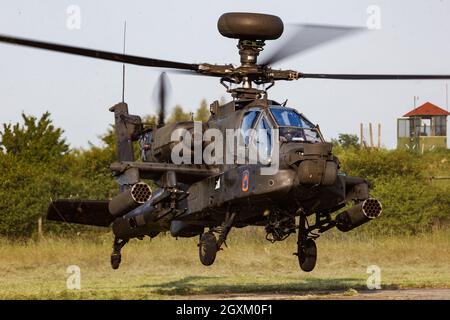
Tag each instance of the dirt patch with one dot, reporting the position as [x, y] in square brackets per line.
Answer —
[406, 294]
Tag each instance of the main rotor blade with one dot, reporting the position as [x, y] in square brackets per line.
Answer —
[373, 76]
[307, 36]
[97, 54]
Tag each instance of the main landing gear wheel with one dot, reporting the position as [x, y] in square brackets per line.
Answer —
[307, 254]
[116, 256]
[207, 248]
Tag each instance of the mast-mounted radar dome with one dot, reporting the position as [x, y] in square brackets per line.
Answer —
[250, 26]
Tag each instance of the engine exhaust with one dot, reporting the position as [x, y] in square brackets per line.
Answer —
[358, 215]
[130, 199]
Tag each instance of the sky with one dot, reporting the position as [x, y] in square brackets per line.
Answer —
[412, 39]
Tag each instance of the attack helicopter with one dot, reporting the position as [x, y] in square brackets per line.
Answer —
[307, 194]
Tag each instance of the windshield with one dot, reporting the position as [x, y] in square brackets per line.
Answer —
[248, 122]
[293, 126]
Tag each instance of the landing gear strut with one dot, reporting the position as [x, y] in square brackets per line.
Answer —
[209, 245]
[116, 256]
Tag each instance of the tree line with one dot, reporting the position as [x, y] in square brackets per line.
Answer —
[38, 165]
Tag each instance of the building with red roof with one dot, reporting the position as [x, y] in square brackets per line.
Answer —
[423, 128]
[427, 109]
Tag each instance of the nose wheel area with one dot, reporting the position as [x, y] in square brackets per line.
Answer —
[306, 246]
[307, 254]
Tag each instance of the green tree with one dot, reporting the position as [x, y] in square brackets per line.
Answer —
[35, 140]
[401, 181]
[38, 167]
[346, 140]
[149, 120]
[92, 166]
[33, 172]
[202, 113]
[178, 114]
[23, 188]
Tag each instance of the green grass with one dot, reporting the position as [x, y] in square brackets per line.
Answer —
[166, 268]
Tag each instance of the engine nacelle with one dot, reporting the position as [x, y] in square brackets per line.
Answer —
[157, 144]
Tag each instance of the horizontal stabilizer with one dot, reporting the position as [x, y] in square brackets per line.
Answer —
[90, 212]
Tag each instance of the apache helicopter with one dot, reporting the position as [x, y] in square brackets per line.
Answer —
[207, 200]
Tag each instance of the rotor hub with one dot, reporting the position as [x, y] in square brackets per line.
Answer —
[249, 51]
[251, 29]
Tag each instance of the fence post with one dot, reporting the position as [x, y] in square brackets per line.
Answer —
[40, 233]
[379, 135]
[371, 134]
[361, 134]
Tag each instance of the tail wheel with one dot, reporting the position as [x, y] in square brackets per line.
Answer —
[307, 255]
[115, 260]
[207, 248]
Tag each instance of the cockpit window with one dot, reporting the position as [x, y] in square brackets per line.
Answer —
[293, 126]
[287, 117]
[264, 139]
[248, 122]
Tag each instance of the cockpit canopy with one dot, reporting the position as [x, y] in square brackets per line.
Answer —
[293, 126]
[258, 124]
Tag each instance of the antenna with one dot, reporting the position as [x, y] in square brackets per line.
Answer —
[446, 95]
[123, 65]
[416, 98]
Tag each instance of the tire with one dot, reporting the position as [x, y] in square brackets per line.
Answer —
[115, 260]
[307, 255]
[207, 248]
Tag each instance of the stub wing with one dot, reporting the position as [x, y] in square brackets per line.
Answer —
[186, 173]
[88, 212]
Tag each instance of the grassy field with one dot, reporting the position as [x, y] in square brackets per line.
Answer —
[166, 268]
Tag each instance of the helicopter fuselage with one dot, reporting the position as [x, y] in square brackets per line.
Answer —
[306, 179]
